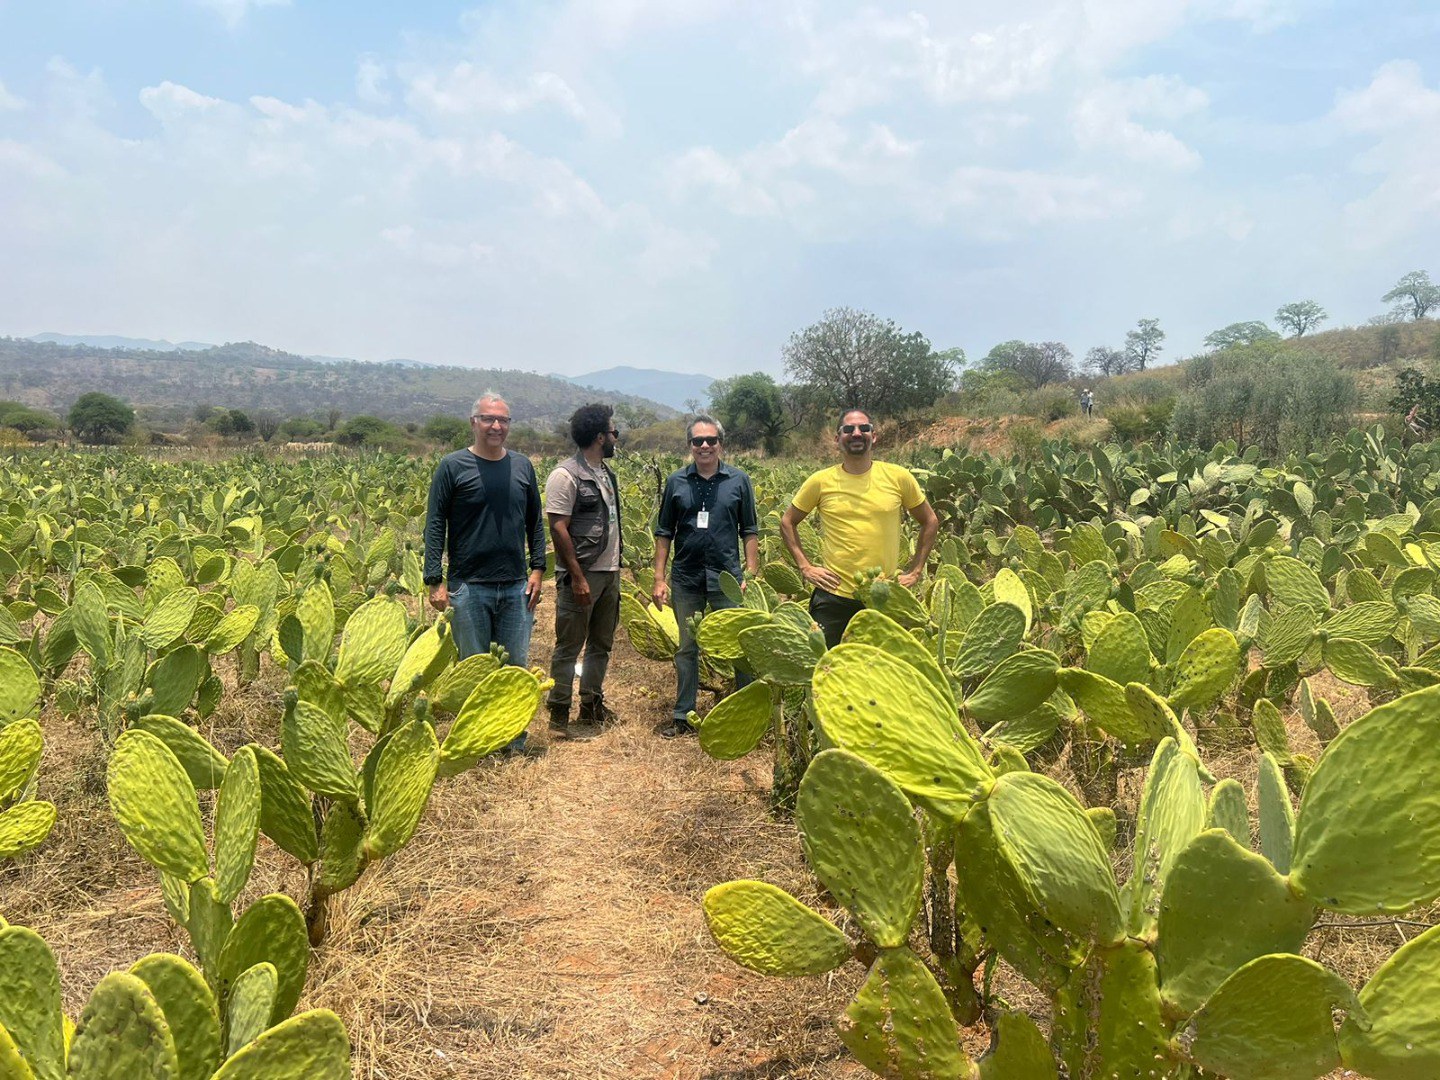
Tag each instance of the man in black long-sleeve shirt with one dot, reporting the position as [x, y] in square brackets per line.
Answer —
[484, 511]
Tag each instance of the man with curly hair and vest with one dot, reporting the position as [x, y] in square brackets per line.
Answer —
[582, 502]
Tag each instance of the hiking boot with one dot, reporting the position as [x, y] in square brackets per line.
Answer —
[559, 720]
[597, 712]
[674, 729]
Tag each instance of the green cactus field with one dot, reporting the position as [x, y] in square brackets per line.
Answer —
[1141, 780]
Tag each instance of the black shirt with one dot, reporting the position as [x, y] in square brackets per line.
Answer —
[482, 514]
[699, 555]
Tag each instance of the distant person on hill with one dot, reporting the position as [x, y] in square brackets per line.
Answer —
[707, 513]
[582, 501]
[1087, 401]
[859, 501]
[483, 512]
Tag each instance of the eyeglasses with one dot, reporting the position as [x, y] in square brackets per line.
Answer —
[705, 440]
[485, 418]
[851, 429]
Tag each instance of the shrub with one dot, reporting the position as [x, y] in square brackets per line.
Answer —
[1050, 404]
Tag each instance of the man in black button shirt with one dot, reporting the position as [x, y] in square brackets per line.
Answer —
[484, 510]
[706, 512]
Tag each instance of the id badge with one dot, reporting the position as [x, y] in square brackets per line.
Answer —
[702, 519]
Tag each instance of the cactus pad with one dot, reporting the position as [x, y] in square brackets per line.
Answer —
[1403, 1041]
[1030, 731]
[1019, 684]
[767, 930]
[271, 930]
[25, 827]
[874, 628]
[1018, 1051]
[1105, 704]
[1277, 815]
[1291, 582]
[1288, 635]
[190, 1011]
[423, 660]
[719, 633]
[1356, 663]
[1368, 836]
[311, 1046]
[1372, 622]
[373, 642]
[19, 686]
[1229, 810]
[237, 825]
[996, 633]
[174, 678]
[863, 842]
[285, 815]
[497, 710]
[449, 691]
[880, 708]
[1172, 813]
[233, 628]
[168, 619]
[249, 1006]
[21, 745]
[737, 723]
[1206, 668]
[30, 1000]
[779, 653]
[317, 750]
[899, 1024]
[1108, 1018]
[1270, 733]
[154, 803]
[202, 762]
[1057, 854]
[122, 1034]
[1121, 651]
[403, 782]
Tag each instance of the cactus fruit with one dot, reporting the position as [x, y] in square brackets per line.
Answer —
[873, 864]
[899, 1024]
[767, 930]
[737, 723]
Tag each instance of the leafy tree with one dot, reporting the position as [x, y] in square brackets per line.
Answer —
[302, 428]
[752, 409]
[266, 424]
[1036, 363]
[1413, 388]
[447, 430]
[365, 431]
[21, 417]
[1240, 333]
[853, 357]
[1414, 294]
[1300, 316]
[332, 418]
[231, 422]
[1103, 360]
[1142, 345]
[100, 418]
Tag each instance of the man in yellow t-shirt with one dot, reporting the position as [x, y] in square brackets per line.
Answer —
[860, 503]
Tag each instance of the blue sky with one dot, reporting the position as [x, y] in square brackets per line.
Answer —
[681, 184]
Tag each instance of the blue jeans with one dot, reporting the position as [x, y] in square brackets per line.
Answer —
[486, 614]
[687, 601]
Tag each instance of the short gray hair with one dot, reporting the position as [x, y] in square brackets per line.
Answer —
[702, 418]
[488, 395]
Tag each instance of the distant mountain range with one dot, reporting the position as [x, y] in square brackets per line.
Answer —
[673, 388]
[113, 341]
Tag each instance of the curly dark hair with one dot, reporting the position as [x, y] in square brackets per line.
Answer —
[589, 422]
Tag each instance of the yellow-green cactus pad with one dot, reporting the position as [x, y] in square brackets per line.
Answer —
[1288, 635]
[1172, 813]
[882, 709]
[1104, 703]
[1103, 818]
[174, 678]
[122, 1035]
[1019, 1051]
[899, 1024]
[311, 1046]
[1368, 836]
[1272, 1018]
[719, 632]
[315, 684]
[19, 686]
[1403, 1039]
[1230, 810]
[317, 751]
[767, 930]
[1121, 651]
[738, 722]
[342, 840]
[232, 629]
[497, 710]
[209, 922]
[996, 633]
[373, 642]
[1372, 622]
[316, 614]
[404, 779]
[12, 1063]
[91, 622]
[423, 661]
[1108, 1018]
[1222, 907]
[1019, 685]
[154, 804]
[25, 827]
[1291, 582]
[1028, 732]
[1010, 589]
[863, 842]
[1159, 719]
[237, 825]
[875, 628]
[21, 745]
[249, 1006]
[1277, 815]
[202, 762]
[1357, 663]
[649, 635]
[285, 814]
[1057, 854]
[779, 653]
[449, 691]
[30, 1000]
[190, 1011]
[1205, 670]
[169, 618]
[272, 930]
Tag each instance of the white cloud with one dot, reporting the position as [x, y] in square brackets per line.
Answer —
[9, 102]
[26, 159]
[371, 75]
[170, 102]
[1105, 119]
[234, 11]
[467, 89]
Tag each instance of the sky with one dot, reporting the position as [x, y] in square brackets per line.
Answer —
[568, 185]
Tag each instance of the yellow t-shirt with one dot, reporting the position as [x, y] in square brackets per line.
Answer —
[859, 517]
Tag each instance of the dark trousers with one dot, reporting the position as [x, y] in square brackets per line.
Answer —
[687, 601]
[832, 614]
[589, 627]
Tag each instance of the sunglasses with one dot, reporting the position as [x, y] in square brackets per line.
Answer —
[485, 418]
[705, 440]
[851, 429]
[613, 433]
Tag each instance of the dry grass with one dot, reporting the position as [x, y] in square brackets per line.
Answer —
[546, 923]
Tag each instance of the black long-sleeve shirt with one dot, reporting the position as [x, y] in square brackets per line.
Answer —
[482, 514]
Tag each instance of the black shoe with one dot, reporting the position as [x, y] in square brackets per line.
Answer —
[559, 720]
[674, 729]
[597, 712]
